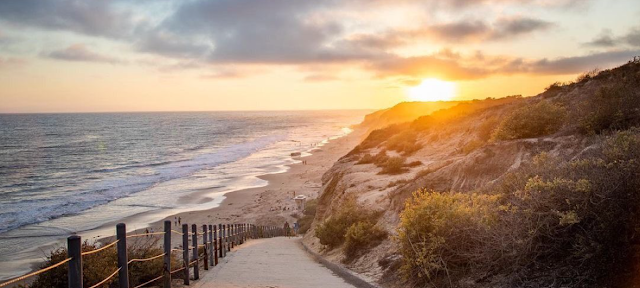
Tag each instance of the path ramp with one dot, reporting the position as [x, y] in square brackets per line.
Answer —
[277, 262]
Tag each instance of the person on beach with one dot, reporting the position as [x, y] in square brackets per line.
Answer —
[146, 231]
[179, 220]
[287, 229]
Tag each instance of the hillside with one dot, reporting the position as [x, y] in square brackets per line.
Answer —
[402, 112]
[539, 191]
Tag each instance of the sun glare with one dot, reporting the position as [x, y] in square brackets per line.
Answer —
[433, 90]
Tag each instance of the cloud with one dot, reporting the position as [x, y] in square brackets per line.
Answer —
[633, 37]
[449, 65]
[459, 31]
[95, 17]
[577, 64]
[464, 31]
[276, 31]
[507, 28]
[502, 29]
[427, 66]
[607, 39]
[79, 52]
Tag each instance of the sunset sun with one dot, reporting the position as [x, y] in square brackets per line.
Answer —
[432, 90]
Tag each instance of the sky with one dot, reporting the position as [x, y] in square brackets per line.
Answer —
[209, 55]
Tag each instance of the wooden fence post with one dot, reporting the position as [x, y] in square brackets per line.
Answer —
[74, 250]
[234, 228]
[223, 240]
[229, 238]
[212, 249]
[167, 254]
[206, 246]
[215, 244]
[220, 236]
[185, 252]
[194, 242]
[123, 274]
[232, 233]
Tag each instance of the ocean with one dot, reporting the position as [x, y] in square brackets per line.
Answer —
[73, 173]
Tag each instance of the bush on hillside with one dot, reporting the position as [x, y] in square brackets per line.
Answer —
[586, 76]
[552, 223]
[366, 159]
[332, 231]
[99, 266]
[613, 107]
[486, 129]
[394, 165]
[540, 119]
[405, 143]
[362, 236]
[308, 215]
[438, 233]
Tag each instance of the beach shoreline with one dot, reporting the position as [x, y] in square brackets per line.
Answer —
[258, 205]
[273, 203]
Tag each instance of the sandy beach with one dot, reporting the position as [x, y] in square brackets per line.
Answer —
[273, 204]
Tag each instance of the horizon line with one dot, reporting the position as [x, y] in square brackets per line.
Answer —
[181, 111]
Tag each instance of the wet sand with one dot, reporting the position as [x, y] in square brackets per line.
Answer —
[272, 204]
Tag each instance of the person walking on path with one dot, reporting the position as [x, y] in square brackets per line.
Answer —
[287, 229]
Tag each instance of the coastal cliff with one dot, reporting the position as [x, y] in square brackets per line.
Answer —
[563, 149]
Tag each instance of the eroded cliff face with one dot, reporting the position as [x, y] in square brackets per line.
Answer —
[453, 151]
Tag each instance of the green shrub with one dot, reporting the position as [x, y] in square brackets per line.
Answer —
[439, 233]
[394, 165]
[540, 119]
[99, 266]
[331, 232]
[362, 236]
[380, 158]
[553, 223]
[366, 159]
[405, 143]
[486, 129]
[308, 215]
[613, 107]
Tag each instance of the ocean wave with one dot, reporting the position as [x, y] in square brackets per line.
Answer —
[31, 211]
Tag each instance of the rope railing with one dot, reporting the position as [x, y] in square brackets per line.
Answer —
[150, 281]
[145, 234]
[99, 249]
[35, 273]
[146, 259]
[106, 279]
[177, 270]
[216, 240]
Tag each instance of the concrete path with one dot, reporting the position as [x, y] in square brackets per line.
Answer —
[270, 263]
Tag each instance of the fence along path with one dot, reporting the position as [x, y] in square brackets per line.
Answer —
[217, 240]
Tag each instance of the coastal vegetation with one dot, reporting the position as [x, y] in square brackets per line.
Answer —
[352, 223]
[307, 215]
[97, 267]
[517, 192]
[543, 221]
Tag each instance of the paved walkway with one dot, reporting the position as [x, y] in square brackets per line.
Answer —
[270, 263]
